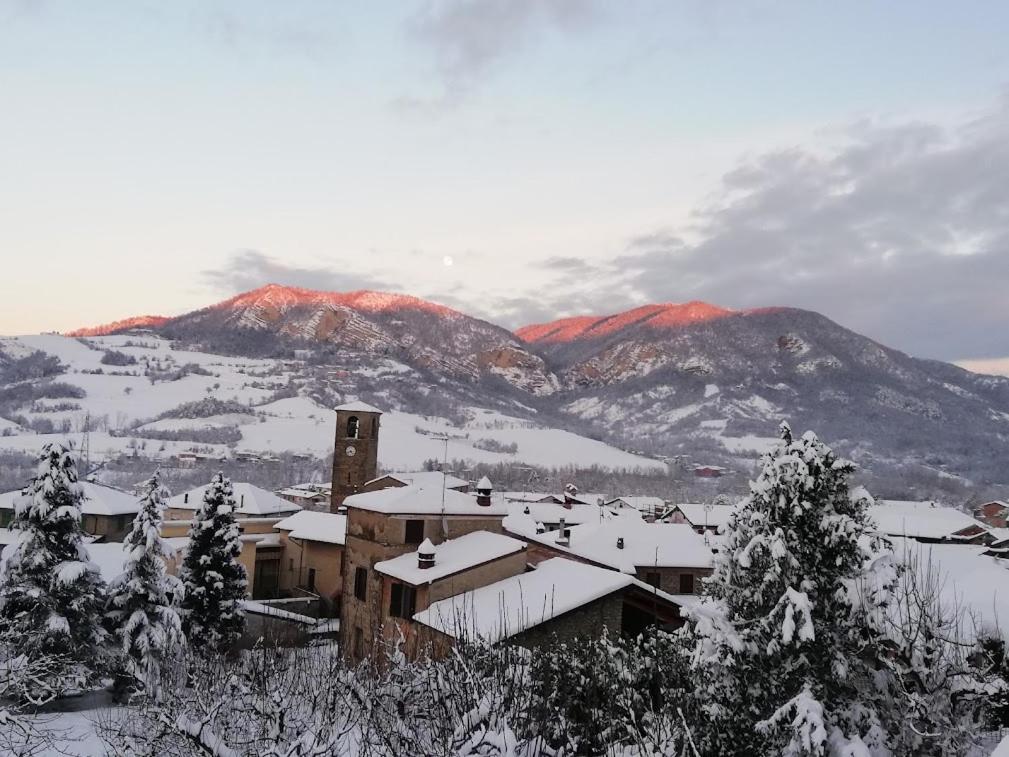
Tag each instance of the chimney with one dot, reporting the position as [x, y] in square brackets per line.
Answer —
[620, 542]
[483, 492]
[563, 538]
[425, 555]
[570, 492]
[185, 498]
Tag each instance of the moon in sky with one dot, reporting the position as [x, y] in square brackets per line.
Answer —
[447, 261]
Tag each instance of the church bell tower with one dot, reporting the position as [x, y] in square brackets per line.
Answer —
[355, 453]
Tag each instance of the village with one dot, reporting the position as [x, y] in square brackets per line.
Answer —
[426, 559]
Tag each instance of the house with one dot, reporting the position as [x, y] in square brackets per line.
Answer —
[413, 581]
[312, 560]
[701, 517]
[993, 513]
[652, 507]
[532, 497]
[311, 496]
[560, 599]
[668, 556]
[708, 471]
[251, 501]
[107, 512]
[928, 522]
[424, 479]
[390, 522]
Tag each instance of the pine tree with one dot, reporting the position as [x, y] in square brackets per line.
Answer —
[51, 594]
[793, 601]
[214, 581]
[141, 609]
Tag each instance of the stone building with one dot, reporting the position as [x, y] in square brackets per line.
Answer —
[391, 522]
[250, 502]
[668, 556]
[312, 560]
[355, 451]
[107, 512]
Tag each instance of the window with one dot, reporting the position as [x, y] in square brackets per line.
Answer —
[414, 531]
[686, 583]
[361, 583]
[652, 579]
[311, 579]
[353, 427]
[290, 563]
[403, 602]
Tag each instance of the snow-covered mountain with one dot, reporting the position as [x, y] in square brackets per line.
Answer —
[683, 373]
[419, 333]
[671, 379]
[139, 391]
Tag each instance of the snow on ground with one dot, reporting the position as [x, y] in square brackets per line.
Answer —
[741, 444]
[297, 424]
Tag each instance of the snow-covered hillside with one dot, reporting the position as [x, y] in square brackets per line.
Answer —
[124, 403]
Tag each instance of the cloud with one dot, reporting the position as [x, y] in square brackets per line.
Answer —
[901, 233]
[249, 269]
[468, 38]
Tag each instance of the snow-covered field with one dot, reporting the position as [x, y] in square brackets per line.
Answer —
[118, 403]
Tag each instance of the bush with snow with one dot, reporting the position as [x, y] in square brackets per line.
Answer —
[214, 581]
[780, 655]
[141, 612]
[51, 594]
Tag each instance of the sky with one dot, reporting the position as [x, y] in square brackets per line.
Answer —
[520, 160]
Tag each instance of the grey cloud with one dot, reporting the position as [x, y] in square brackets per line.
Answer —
[469, 37]
[249, 269]
[567, 265]
[901, 234]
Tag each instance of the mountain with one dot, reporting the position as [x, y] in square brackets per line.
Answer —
[681, 375]
[423, 335]
[127, 324]
[693, 379]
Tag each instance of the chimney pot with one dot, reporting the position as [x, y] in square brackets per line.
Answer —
[426, 555]
[620, 542]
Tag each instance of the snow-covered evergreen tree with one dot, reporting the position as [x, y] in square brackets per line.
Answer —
[214, 581]
[141, 608]
[51, 594]
[793, 600]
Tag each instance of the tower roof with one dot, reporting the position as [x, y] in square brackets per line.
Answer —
[359, 407]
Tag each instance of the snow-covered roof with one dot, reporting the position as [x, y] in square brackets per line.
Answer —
[548, 512]
[261, 608]
[250, 500]
[503, 609]
[639, 503]
[660, 545]
[451, 557]
[589, 498]
[428, 479]
[294, 491]
[422, 500]
[358, 407]
[312, 526]
[699, 514]
[99, 500]
[924, 520]
[531, 497]
[966, 579]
